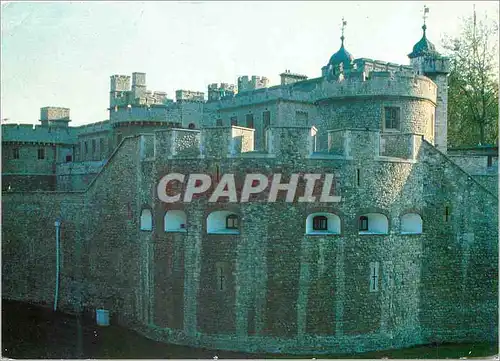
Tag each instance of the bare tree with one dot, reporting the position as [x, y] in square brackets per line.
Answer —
[473, 83]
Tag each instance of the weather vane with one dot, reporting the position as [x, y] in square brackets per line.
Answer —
[344, 23]
[426, 11]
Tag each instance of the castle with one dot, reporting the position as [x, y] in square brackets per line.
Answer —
[406, 254]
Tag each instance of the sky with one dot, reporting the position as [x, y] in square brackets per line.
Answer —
[63, 53]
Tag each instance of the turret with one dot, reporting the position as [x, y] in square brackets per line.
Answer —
[54, 117]
[253, 83]
[218, 92]
[425, 60]
[118, 90]
[138, 85]
[340, 62]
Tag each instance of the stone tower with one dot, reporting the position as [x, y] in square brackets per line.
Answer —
[425, 60]
[118, 91]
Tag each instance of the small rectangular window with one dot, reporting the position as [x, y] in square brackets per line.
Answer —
[68, 158]
[266, 119]
[101, 146]
[15, 153]
[392, 118]
[249, 119]
[302, 117]
[446, 214]
[358, 177]
[41, 153]
[219, 122]
[94, 146]
[234, 121]
[86, 146]
[374, 276]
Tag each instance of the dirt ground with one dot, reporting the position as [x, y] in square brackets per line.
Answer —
[34, 332]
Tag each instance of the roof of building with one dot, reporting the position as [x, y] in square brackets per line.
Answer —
[423, 47]
[341, 56]
[37, 134]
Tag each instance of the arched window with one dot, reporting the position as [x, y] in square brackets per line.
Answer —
[191, 126]
[411, 223]
[146, 220]
[232, 221]
[373, 223]
[322, 223]
[175, 221]
[223, 222]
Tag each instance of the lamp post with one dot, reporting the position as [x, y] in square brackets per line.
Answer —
[57, 224]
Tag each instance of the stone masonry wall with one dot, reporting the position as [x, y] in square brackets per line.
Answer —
[285, 291]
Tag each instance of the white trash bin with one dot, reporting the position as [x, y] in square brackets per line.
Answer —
[102, 317]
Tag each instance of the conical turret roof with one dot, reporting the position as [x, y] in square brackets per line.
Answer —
[423, 47]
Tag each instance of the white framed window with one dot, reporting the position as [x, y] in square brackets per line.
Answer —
[223, 222]
[175, 221]
[373, 223]
[392, 118]
[374, 266]
[146, 220]
[411, 223]
[322, 223]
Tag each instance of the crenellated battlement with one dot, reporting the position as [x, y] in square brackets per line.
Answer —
[356, 84]
[290, 142]
[189, 96]
[30, 133]
[219, 91]
[254, 82]
[289, 78]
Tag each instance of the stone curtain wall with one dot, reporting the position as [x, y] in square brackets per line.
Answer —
[28, 246]
[28, 162]
[76, 176]
[290, 291]
[460, 283]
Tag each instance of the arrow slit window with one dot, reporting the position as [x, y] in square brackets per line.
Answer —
[374, 276]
